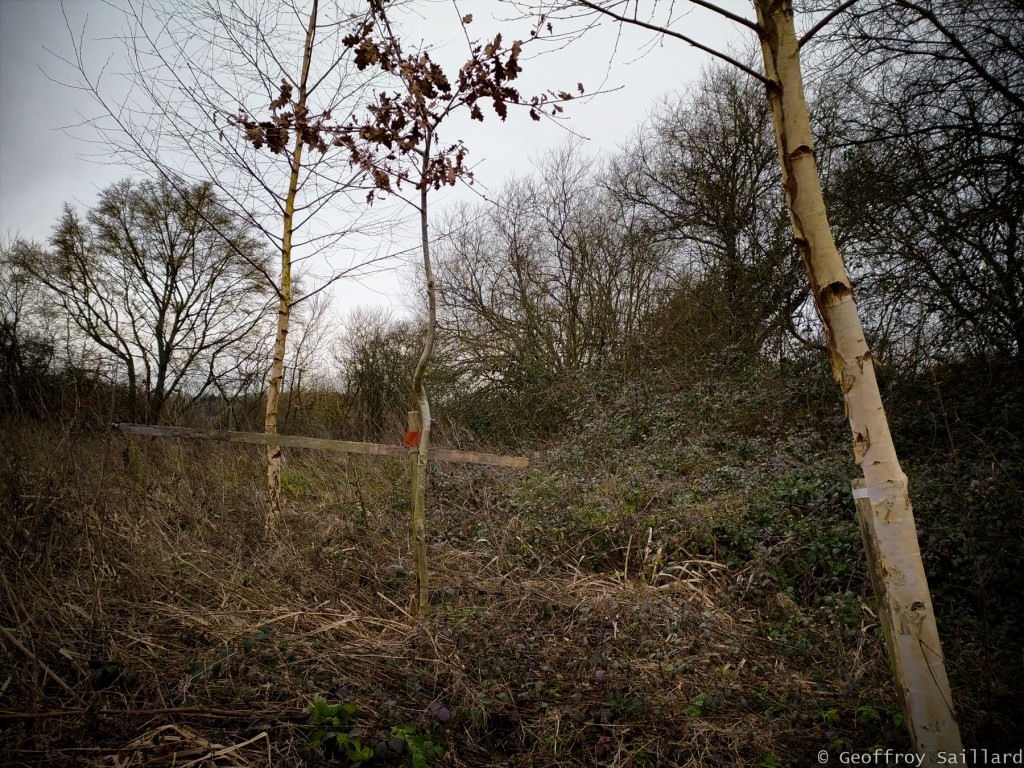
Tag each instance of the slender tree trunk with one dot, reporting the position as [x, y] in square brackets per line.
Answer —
[419, 474]
[887, 520]
[284, 303]
[158, 396]
[155, 406]
[136, 408]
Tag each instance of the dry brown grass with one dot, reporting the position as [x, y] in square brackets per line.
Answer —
[146, 622]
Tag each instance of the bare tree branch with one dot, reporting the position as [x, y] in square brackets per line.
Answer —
[672, 33]
[823, 22]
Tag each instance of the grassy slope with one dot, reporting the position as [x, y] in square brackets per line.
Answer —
[680, 583]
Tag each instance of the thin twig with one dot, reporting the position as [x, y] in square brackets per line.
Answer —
[824, 20]
[228, 750]
[42, 665]
[277, 713]
[671, 33]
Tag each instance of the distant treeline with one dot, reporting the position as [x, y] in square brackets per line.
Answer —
[673, 256]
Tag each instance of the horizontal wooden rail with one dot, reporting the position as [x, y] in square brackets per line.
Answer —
[344, 446]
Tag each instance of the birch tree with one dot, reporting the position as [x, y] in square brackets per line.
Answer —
[396, 142]
[284, 288]
[889, 531]
[206, 85]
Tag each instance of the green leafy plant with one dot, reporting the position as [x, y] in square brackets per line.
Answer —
[869, 718]
[107, 675]
[424, 748]
[201, 669]
[259, 637]
[696, 708]
[769, 700]
[624, 704]
[337, 744]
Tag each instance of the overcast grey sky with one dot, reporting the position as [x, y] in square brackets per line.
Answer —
[42, 167]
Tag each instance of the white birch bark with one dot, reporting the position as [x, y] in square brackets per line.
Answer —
[888, 524]
[284, 303]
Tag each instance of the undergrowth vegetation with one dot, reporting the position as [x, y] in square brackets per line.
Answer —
[678, 579]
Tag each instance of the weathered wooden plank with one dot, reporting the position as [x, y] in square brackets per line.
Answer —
[472, 457]
[344, 446]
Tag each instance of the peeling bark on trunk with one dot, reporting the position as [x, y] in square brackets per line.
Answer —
[887, 519]
[418, 481]
[284, 304]
[274, 459]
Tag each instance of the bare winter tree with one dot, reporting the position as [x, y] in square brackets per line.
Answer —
[305, 364]
[375, 359]
[27, 347]
[889, 529]
[702, 174]
[545, 286]
[207, 84]
[169, 287]
[404, 131]
[934, 169]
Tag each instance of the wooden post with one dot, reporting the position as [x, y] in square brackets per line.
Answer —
[413, 426]
[909, 626]
[418, 514]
